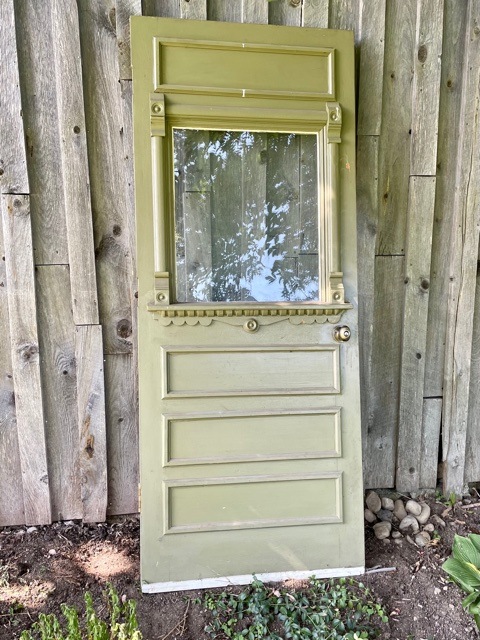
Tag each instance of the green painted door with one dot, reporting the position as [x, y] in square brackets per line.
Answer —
[247, 315]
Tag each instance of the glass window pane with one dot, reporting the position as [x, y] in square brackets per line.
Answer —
[246, 216]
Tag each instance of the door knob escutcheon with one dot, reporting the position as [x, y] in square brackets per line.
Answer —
[342, 334]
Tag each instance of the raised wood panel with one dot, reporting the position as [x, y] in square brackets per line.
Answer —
[239, 371]
[252, 502]
[248, 437]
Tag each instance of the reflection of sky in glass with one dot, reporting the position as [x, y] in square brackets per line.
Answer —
[246, 216]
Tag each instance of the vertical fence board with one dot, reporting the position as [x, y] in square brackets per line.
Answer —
[73, 145]
[421, 205]
[11, 494]
[463, 269]
[315, 13]
[57, 366]
[472, 458]
[344, 14]
[238, 11]
[17, 234]
[122, 437]
[367, 213]
[91, 422]
[380, 444]
[396, 124]
[449, 121]
[104, 123]
[426, 87]
[13, 166]
[125, 9]
[285, 12]
[192, 9]
[432, 418]
[371, 68]
[39, 107]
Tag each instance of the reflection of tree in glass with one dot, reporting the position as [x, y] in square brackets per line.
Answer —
[263, 223]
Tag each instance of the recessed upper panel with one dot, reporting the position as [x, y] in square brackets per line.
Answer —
[246, 69]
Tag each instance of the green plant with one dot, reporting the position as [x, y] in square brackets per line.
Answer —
[324, 610]
[122, 624]
[463, 567]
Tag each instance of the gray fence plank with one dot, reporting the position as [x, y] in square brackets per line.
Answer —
[73, 146]
[91, 421]
[463, 269]
[59, 382]
[426, 88]
[421, 203]
[449, 120]
[17, 234]
[40, 116]
[125, 9]
[380, 445]
[13, 165]
[432, 419]
[315, 13]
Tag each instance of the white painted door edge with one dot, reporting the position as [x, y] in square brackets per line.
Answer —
[210, 583]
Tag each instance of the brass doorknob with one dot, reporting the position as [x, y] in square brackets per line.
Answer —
[342, 334]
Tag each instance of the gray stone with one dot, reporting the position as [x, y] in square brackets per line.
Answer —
[387, 503]
[396, 534]
[369, 516]
[409, 525]
[399, 510]
[398, 541]
[438, 521]
[429, 527]
[422, 539]
[413, 507]
[385, 515]
[382, 530]
[424, 514]
[373, 502]
[32, 529]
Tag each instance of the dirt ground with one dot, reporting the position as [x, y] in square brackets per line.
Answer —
[42, 568]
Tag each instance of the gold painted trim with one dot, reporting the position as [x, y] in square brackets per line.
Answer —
[252, 524]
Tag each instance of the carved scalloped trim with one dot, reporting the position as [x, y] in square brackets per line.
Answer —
[236, 317]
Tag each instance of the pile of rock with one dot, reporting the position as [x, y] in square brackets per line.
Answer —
[398, 519]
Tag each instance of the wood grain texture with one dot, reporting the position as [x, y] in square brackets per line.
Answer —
[421, 203]
[285, 12]
[371, 68]
[449, 122]
[192, 9]
[91, 434]
[59, 384]
[472, 459]
[367, 217]
[13, 163]
[380, 444]
[122, 435]
[17, 234]
[432, 421]
[344, 14]
[426, 88]
[11, 493]
[396, 126]
[111, 215]
[463, 269]
[124, 9]
[238, 11]
[73, 149]
[315, 13]
[40, 116]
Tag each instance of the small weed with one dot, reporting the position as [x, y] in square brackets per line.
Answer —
[333, 610]
[122, 624]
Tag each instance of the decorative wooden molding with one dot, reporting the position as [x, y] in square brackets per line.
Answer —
[249, 318]
[334, 122]
[157, 114]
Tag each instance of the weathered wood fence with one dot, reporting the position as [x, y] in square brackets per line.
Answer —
[68, 386]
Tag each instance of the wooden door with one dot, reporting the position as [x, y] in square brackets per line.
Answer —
[249, 391]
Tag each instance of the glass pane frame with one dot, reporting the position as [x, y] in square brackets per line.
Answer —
[330, 291]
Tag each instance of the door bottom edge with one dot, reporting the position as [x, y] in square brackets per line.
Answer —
[279, 576]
